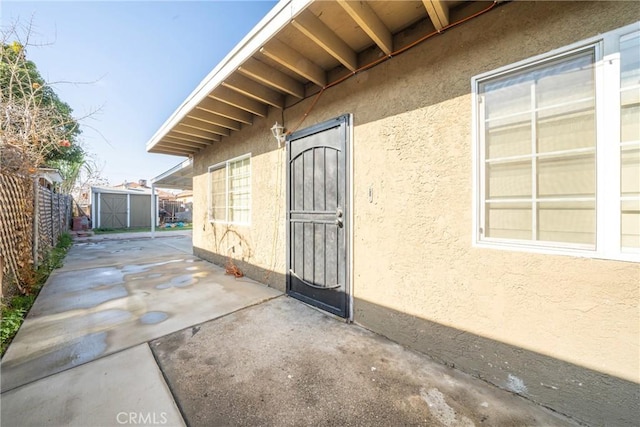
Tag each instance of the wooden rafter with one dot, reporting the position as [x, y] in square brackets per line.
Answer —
[214, 119]
[191, 139]
[263, 73]
[370, 23]
[183, 129]
[312, 27]
[189, 123]
[254, 90]
[159, 150]
[295, 61]
[225, 110]
[173, 149]
[238, 100]
[438, 13]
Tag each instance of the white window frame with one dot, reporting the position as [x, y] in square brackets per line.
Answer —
[225, 165]
[608, 211]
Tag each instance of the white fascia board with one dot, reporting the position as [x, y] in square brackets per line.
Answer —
[107, 190]
[184, 165]
[279, 17]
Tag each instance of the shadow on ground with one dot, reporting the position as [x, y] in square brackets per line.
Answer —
[282, 363]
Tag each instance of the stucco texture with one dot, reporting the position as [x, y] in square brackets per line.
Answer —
[413, 150]
[412, 241]
[257, 249]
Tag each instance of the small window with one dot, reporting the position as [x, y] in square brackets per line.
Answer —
[230, 191]
[552, 134]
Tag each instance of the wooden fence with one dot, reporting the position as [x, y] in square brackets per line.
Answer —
[32, 218]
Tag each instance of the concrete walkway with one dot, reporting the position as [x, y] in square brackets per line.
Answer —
[135, 331]
[81, 356]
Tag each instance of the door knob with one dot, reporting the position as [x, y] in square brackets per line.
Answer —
[339, 222]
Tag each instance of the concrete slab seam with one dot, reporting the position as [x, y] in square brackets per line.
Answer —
[168, 384]
[137, 344]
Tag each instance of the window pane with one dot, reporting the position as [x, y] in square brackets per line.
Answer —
[509, 137]
[567, 176]
[630, 224]
[509, 220]
[505, 97]
[507, 114]
[218, 194]
[240, 191]
[566, 81]
[630, 137]
[630, 60]
[509, 180]
[559, 130]
[630, 172]
[239, 215]
[570, 222]
[630, 119]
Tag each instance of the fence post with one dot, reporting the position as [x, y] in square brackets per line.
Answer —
[51, 218]
[1, 276]
[58, 224]
[154, 214]
[36, 218]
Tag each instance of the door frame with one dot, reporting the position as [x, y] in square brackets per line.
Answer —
[347, 119]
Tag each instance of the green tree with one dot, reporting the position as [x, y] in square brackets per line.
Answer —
[36, 128]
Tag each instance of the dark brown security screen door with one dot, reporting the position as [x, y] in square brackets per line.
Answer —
[317, 212]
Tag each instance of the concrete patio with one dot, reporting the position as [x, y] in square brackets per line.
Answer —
[137, 331]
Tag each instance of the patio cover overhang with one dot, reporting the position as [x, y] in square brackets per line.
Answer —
[178, 177]
[299, 49]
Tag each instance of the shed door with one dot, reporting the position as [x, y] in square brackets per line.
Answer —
[139, 210]
[113, 210]
[317, 212]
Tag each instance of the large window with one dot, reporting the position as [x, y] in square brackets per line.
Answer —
[558, 150]
[630, 139]
[230, 191]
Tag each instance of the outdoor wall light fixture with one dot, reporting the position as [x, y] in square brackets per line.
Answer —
[278, 133]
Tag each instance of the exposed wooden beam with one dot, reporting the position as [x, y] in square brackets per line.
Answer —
[238, 100]
[169, 146]
[295, 61]
[438, 13]
[159, 150]
[370, 23]
[169, 139]
[186, 130]
[194, 140]
[214, 119]
[165, 145]
[261, 72]
[180, 145]
[254, 90]
[320, 34]
[204, 126]
[225, 110]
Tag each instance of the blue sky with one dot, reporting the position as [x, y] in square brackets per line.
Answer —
[139, 61]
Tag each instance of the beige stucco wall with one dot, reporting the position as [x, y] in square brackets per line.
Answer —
[412, 244]
[258, 249]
